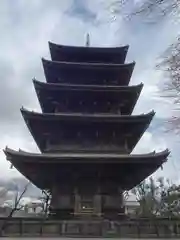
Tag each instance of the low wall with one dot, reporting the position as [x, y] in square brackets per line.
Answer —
[91, 228]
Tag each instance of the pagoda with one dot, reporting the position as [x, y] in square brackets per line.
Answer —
[86, 133]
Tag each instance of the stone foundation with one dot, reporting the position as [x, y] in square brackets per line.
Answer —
[91, 228]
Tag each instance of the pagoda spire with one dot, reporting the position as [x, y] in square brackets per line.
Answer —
[88, 40]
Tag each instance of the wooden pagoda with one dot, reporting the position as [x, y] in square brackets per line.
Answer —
[86, 133]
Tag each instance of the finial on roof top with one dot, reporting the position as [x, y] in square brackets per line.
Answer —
[87, 40]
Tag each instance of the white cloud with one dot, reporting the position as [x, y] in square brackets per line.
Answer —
[149, 144]
[26, 28]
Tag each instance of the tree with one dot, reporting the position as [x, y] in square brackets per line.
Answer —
[146, 195]
[16, 207]
[46, 202]
[154, 11]
[158, 198]
[170, 64]
[170, 201]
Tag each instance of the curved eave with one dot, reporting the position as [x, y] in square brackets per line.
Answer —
[36, 166]
[89, 54]
[73, 71]
[48, 122]
[53, 92]
[80, 87]
[80, 65]
[87, 117]
[74, 157]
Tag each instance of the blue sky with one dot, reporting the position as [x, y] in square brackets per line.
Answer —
[27, 26]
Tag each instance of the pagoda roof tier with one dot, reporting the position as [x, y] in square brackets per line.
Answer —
[88, 54]
[127, 170]
[121, 98]
[87, 73]
[67, 126]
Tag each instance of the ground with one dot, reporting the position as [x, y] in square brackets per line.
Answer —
[81, 238]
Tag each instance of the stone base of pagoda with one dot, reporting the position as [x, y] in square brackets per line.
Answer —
[125, 229]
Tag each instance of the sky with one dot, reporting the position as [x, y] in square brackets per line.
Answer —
[27, 26]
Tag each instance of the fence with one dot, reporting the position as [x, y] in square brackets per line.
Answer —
[139, 228]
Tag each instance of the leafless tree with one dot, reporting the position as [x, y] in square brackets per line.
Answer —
[170, 60]
[146, 195]
[158, 197]
[16, 207]
[153, 10]
[46, 202]
[170, 64]
[125, 195]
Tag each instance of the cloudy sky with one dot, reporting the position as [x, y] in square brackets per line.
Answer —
[27, 26]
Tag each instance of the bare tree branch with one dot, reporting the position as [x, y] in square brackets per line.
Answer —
[158, 198]
[14, 208]
[157, 8]
[170, 64]
[149, 10]
[153, 11]
[46, 202]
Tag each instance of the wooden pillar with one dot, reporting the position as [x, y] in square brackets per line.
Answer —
[121, 196]
[56, 107]
[61, 202]
[97, 204]
[126, 144]
[77, 202]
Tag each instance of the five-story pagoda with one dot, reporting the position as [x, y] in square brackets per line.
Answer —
[86, 132]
